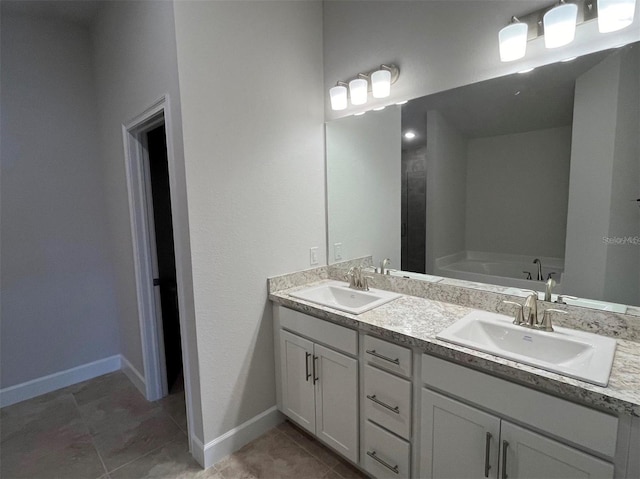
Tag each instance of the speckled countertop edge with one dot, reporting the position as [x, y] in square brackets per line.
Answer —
[405, 321]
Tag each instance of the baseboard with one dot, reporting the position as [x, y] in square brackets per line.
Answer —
[134, 375]
[59, 380]
[207, 455]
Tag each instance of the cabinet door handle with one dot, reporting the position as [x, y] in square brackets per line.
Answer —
[505, 445]
[372, 352]
[306, 365]
[315, 370]
[393, 469]
[487, 454]
[373, 398]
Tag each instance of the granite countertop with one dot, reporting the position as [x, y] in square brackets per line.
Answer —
[415, 321]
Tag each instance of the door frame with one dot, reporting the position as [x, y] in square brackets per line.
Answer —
[135, 155]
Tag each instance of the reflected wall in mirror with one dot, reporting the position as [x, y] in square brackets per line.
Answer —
[540, 165]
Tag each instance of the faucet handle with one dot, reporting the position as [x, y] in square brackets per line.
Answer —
[519, 318]
[546, 325]
[560, 298]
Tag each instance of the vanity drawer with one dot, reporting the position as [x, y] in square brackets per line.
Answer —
[385, 454]
[388, 356]
[320, 331]
[387, 401]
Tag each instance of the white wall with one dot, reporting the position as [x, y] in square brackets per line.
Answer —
[363, 185]
[135, 63]
[252, 110]
[446, 188]
[623, 260]
[517, 192]
[57, 283]
[438, 45]
[592, 158]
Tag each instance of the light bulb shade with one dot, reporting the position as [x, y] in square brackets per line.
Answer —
[513, 41]
[381, 83]
[560, 25]
[338, 96]
[615, 14]
[358, 90]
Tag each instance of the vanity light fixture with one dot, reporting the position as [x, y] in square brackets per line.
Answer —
[560, 25]
[338, 96]
[377, 81]
[358, 90]
[513, 40]
[557, 24]
[614, 15]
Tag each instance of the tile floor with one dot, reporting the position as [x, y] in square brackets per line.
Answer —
[105, 429]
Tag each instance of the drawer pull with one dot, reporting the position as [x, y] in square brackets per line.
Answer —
[306, 365]
[505, 445]
[373, 398]
[373, 455]
[372, 352]
[487, 455]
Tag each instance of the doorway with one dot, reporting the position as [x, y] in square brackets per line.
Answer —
[164, 268]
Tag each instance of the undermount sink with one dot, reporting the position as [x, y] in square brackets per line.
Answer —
[573, 353]
[338, 295]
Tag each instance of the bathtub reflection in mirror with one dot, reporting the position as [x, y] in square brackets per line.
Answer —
[543, 165]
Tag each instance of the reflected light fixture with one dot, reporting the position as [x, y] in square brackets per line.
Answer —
[358, 90]
[513, 40]
[338, 95]
[560, 25]
[410, 135]
[614, 15]
[377, 81]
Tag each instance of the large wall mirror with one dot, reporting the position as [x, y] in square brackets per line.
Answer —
[478, 182]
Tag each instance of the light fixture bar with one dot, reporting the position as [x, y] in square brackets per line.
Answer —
[360, 85]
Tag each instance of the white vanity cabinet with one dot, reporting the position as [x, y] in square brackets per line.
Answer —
[461, 441]
[318, 385]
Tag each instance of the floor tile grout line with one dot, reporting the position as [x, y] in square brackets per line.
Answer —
[93, 442]
[140, 457]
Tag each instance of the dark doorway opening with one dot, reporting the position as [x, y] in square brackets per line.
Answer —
[165, 252]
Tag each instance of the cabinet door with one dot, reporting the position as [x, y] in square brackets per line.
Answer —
[529, 455]
[458, 441]
[298, 401]
[337, 401]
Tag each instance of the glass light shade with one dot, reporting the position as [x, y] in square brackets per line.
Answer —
[615, 14]
[513, 41]
[338, 96]
[560, 25]
[381, 83]
[358, 90]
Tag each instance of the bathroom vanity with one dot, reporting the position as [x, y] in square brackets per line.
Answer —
[382, 391]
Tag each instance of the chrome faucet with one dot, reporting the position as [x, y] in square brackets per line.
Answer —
[383, 266]
[532, 315]
[539, 263]
[357, 280]
[531, 320]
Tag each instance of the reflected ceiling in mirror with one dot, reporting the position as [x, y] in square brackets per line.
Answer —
[539, 165]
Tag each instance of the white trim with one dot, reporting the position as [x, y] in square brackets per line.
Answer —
[149, 337]
[59, 380]
[140, 235]
[134, 375]
[234, 439]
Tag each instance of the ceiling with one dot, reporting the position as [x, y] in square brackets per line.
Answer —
[542, 98]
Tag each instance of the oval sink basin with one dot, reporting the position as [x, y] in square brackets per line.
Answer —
[338, 295]
[565, 351]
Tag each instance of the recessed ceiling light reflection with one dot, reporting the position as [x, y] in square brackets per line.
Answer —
[410, 135]
[526, 71]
